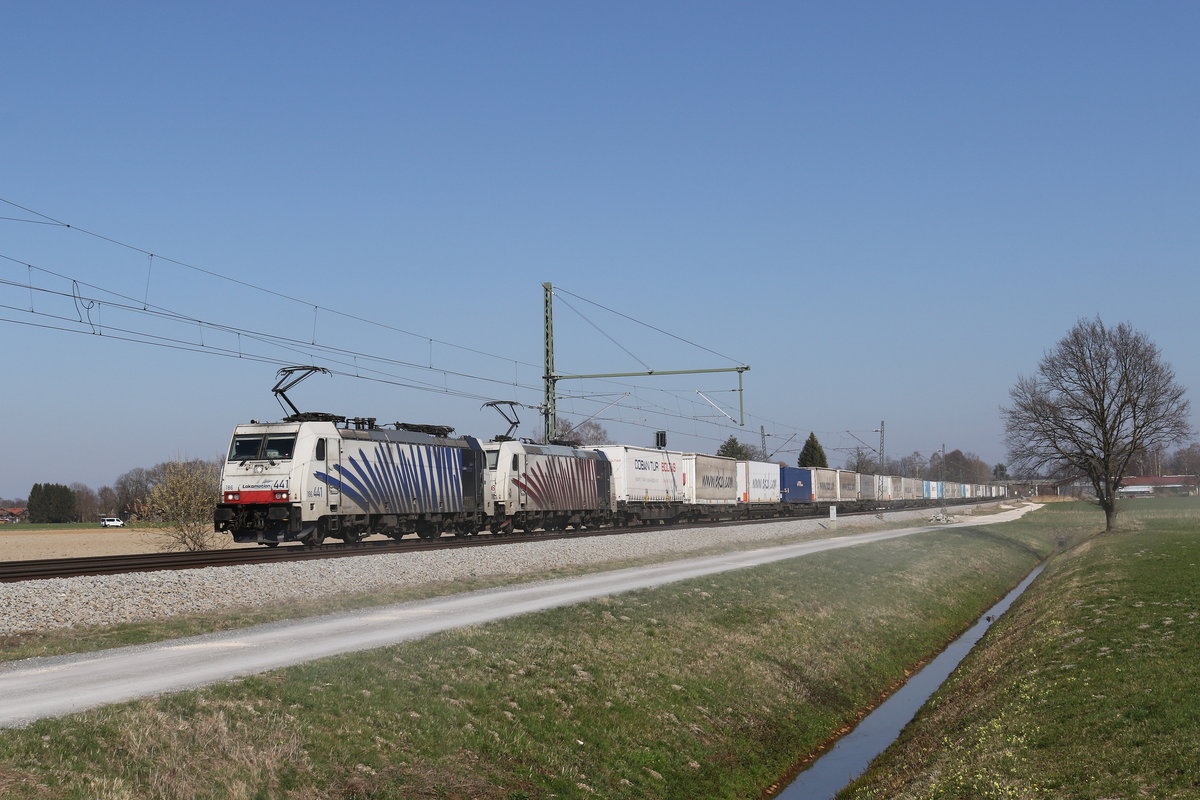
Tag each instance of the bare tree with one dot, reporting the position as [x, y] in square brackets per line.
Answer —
[1186, 460]
[87, 503]
[1099, 397]
[183, 502]
[860, 461]
[913, 466]
[106, 497]
[960, 467]
[133, 490]
[587, 433]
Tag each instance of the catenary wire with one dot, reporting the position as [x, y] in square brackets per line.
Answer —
[649, 407]
[212, 273]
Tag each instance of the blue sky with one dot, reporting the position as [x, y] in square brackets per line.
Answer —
[888, 211]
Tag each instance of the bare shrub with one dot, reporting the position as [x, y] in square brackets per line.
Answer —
[183, 502]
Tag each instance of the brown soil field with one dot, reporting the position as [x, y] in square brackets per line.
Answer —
[18, 545]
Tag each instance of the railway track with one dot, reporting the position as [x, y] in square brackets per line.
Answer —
[40, 569]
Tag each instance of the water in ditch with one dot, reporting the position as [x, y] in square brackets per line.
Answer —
[854, 752]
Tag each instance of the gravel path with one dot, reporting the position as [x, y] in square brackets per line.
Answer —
[112, 599]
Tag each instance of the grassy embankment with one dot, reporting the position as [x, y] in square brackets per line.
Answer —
[707, 688]
[1085, 689]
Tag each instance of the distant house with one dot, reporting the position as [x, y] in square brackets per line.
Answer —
[11, 515]
[1078, 486]
[1032, 487]
[1159, 485]
[1135, 486]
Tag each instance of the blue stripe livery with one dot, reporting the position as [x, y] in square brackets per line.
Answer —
[390, 478]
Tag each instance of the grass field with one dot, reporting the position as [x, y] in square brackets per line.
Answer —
[710, 688]
[1086, 688]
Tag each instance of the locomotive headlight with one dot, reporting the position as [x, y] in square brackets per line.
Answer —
[281, 495]
[232, 497]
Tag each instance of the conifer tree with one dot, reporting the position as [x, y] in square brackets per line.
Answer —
[732, 448]
[813, 455]
[51, 502]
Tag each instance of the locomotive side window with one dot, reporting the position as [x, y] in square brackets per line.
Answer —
[493, 459]
[320, 454]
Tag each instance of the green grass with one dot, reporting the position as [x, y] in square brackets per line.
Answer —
[1086, 689]
[708, 688]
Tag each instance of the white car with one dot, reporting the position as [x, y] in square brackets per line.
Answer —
[112, 522]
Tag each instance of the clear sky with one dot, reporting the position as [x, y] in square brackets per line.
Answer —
[888, 210]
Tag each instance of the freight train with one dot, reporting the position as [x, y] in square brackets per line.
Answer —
[317, 476]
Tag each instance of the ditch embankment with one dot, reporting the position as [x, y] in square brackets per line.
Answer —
[1085, 688]
[706, 688]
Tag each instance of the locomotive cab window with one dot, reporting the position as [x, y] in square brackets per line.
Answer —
[280, 446]
[320, 454]
[245, 448]
[493, 459]
[259, 447]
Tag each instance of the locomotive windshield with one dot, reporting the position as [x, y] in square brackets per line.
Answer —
[258, 446]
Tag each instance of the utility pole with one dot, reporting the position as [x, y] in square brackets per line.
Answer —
[881, 489]
[942, 478]
[549, 408]
[551, 379]
[882, 457]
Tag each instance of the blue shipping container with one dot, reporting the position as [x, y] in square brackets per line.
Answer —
[795, 485]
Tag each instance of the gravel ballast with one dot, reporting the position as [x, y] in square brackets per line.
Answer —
[103, 600]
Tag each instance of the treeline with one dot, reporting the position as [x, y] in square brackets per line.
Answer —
[128, 497]
[954, 466]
